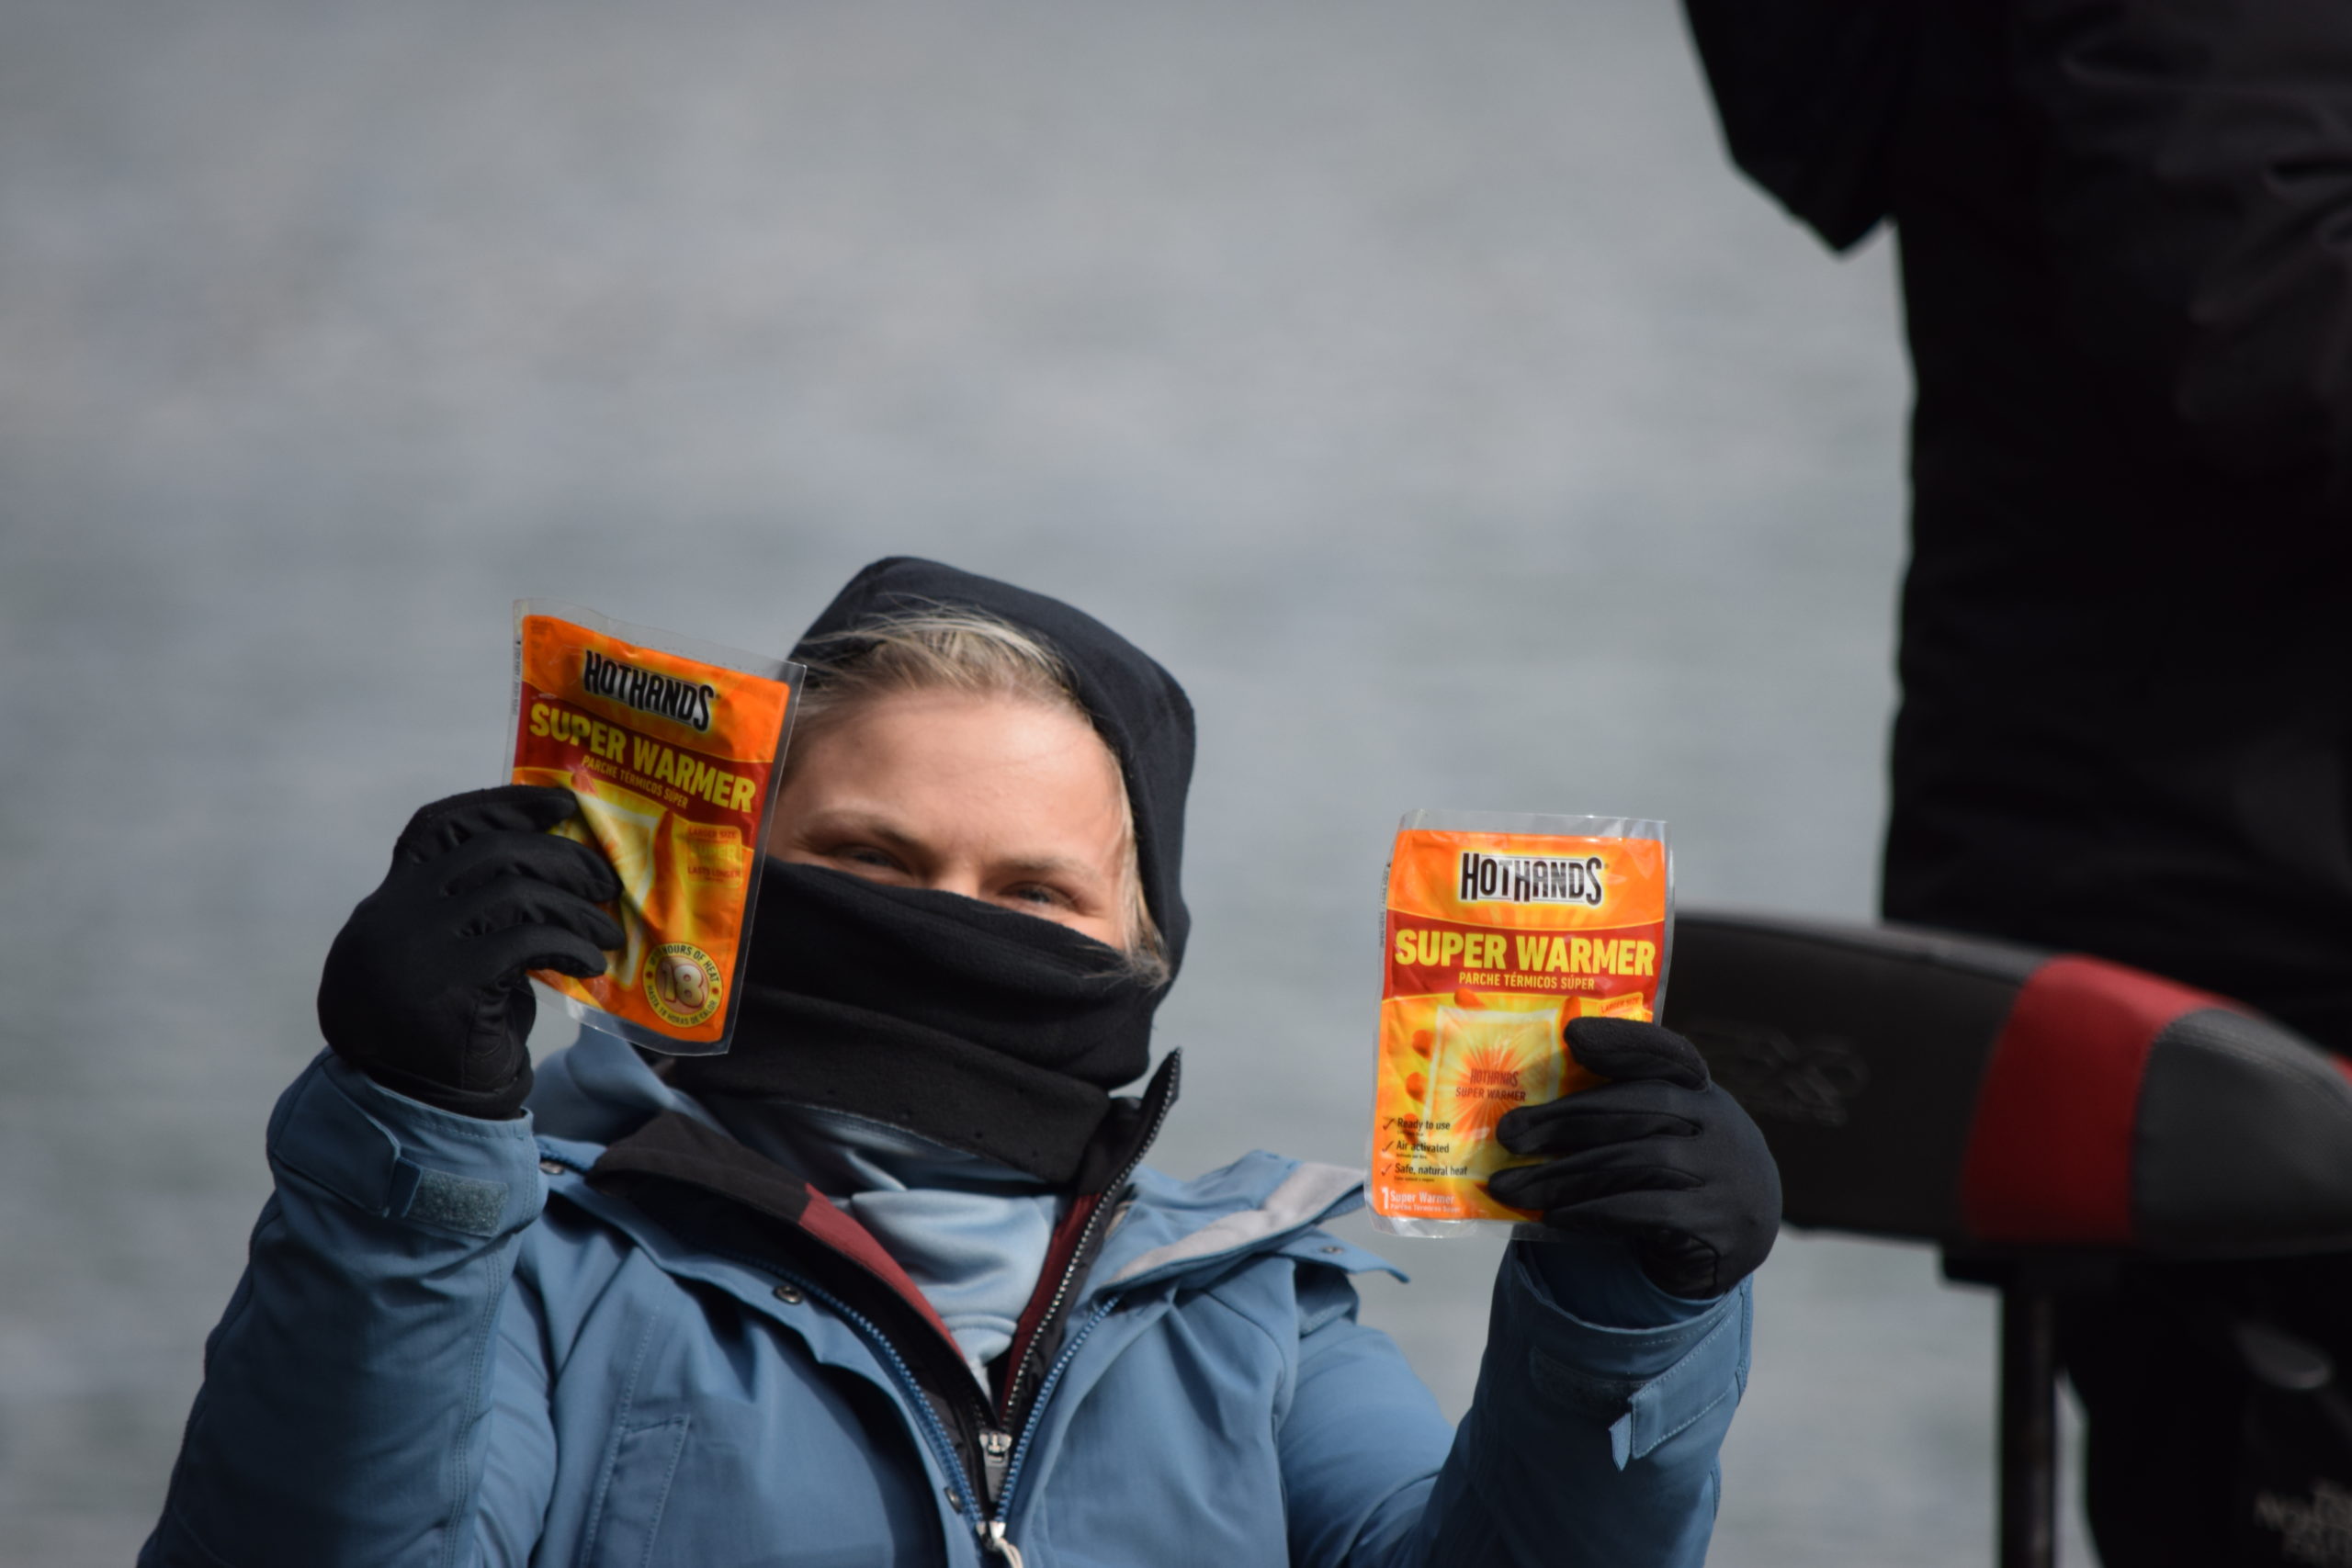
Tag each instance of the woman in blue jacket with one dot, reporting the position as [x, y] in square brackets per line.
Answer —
[887, 1282]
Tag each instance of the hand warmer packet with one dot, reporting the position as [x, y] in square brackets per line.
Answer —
[1500, 929]
[673, 746]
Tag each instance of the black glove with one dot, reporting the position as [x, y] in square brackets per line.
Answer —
[1657, 1156]
[425, 989]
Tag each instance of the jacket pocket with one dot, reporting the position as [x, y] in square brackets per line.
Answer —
[634, 1491]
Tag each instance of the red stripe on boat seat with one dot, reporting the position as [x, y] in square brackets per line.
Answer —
[2049, 1157]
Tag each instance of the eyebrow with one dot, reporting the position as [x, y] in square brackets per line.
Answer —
[1051, 865]
[855, 821]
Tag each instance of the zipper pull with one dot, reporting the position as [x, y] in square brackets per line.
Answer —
[996, 1456]
[992, 1537]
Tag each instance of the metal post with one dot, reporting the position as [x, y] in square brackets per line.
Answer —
[2029, 1419]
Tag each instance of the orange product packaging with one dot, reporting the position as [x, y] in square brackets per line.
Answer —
[673, 746]
[1500, 929]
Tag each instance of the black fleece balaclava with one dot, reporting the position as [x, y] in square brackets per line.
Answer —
[981, 1027]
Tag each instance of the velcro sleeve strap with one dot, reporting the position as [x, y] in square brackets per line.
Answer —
[449, 1172]
[1712, 1370]
[1643, 1385]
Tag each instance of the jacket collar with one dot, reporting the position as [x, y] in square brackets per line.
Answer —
[599, 1090]
[599, 1101]
[674, 1151]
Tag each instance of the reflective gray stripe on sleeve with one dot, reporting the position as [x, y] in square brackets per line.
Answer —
[1301, 1200]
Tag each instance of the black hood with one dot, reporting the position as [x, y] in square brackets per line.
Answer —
[983, 1028]
[1137, 706]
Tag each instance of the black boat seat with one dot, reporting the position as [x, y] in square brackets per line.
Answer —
[1978, 1095]
[2040, 1116]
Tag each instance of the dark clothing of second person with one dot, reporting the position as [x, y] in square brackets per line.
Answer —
[2125, 230]
[2127, 258]
[2126, 241]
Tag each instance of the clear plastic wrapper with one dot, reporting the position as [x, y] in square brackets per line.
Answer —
[1500, 929]
[674, 747]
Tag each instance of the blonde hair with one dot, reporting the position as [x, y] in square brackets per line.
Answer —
[950, 649]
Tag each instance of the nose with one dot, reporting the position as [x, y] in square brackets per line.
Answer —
[958, 877]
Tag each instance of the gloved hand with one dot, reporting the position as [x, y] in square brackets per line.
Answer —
[425, 989]
[1658, 1155]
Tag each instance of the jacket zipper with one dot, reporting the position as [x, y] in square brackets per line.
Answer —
[985, 1498]
[1000, 1498]
[1045, 1389]
[1113, 1202]
[996, 1458]
[976, 1496]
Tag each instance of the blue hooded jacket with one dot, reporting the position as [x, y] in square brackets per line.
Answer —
[453, 1347]
[609, 1333]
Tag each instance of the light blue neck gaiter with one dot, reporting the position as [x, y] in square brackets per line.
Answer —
[972, 1234]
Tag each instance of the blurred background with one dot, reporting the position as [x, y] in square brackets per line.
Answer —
[1416, 381]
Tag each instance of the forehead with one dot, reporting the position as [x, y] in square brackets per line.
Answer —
[963, 762]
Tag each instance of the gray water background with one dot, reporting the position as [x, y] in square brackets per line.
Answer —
[1415, 380]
